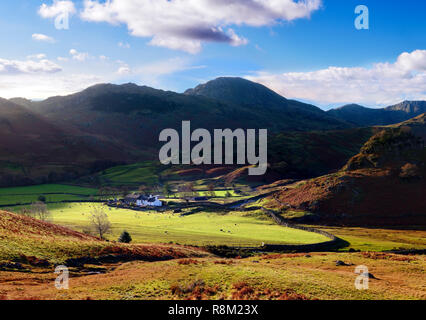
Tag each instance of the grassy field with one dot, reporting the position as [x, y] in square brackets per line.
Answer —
[197, 229]
[194, 274]
[135, 174]
[60, 192]
[52, 192]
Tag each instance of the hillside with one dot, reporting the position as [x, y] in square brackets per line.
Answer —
[312, 154]
[34, 149]
[362, 116]
[36, 243]
[382, 185]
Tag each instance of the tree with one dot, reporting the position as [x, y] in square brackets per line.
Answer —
[125, 237]
[143, 189]
[211, 187]
[38, 210]
[167, 190]
[187, 191]
[104, 193]
[99, 222]
[124, 191]
[115, 192]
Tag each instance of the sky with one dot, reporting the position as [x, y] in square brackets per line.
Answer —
[309, 50]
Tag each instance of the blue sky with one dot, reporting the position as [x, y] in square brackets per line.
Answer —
[309, 51]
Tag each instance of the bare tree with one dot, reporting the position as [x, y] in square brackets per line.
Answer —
[38, 210]
[187, 191]
[99, 222]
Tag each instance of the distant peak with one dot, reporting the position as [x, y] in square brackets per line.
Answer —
[237, 90]
[352, 106]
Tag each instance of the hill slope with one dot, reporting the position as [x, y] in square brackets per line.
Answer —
[34, 149]
[383, 185]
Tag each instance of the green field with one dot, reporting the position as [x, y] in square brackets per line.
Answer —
[197, 229]
[52, 192]
[135, 174]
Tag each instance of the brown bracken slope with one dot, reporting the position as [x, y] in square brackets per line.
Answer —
[385, 184]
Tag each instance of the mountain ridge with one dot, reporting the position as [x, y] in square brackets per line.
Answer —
[107, 124]
[362, 116]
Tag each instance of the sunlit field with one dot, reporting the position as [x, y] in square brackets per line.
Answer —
[196, 229]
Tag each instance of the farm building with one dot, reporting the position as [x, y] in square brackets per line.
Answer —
[143, 201]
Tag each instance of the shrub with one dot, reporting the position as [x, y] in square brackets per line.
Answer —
[409, 171]
[125, 237]
[42, 198]
[196, 290]
[186, 262]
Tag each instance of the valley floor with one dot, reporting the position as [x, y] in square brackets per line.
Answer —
[195, 274]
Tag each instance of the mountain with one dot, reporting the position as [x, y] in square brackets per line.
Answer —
[384, 184]
[133, 116]
[66, 136]
[116, 110]
[362, 116]
[292, 115]
[21, 101]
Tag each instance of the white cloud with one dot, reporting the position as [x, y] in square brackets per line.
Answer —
[381, 84]
[63, 59]
[186, 24]
[79, 56]
[57, 8]
[37, 56]
[42, 37]
[123, 70]
[28, 66]
[41, 86]
[235, 39]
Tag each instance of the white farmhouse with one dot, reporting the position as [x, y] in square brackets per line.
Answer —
[151, 201]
